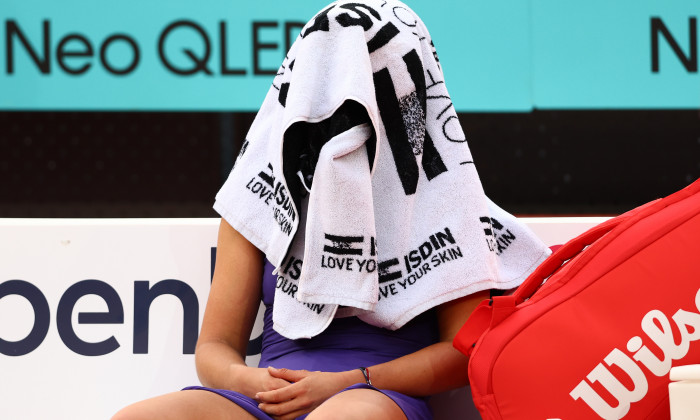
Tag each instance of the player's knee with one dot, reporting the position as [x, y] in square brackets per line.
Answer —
[322, 413]
[129, 413]
[360, 404]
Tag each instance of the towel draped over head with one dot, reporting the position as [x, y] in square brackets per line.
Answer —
[357, 182]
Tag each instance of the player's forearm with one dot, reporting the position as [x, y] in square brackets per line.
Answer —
[434, 369]
[220, 366]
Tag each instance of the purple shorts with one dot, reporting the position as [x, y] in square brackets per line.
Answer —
[413, 408]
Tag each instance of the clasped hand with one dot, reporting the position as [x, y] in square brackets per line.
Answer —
[306, 391]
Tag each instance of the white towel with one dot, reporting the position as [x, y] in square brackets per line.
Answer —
[396, 221]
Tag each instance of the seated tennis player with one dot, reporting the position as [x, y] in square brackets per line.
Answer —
[356, 214]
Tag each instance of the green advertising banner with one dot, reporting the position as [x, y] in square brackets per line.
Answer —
[615, 54]
[217, 55]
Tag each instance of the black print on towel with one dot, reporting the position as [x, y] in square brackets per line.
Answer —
[405, 123]
[404, 118]
[356, 15]
[451, 128]
[287, 279]
[497, 239]
[361, 18]
[398, 274]
[345, 19]
[241, 152]
[346, 253]
[273, 193]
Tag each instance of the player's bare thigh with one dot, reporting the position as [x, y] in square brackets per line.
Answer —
[358, 404]
[184, 405]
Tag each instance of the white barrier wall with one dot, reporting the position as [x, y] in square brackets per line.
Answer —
[98, 313]
[105, 272]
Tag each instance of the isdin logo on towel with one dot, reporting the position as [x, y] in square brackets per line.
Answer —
[395, 274]
[288, 281]
[272, 192]
[498, 238]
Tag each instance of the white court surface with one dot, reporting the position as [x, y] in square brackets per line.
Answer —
[103, 281]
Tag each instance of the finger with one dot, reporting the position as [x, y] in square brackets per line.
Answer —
[275, 383]
[288, 374]
[280, 395]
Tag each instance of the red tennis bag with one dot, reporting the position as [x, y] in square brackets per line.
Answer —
[595, 330]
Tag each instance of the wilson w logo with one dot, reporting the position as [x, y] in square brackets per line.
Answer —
[658, 328]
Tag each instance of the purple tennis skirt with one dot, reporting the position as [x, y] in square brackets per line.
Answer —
[413, 408]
